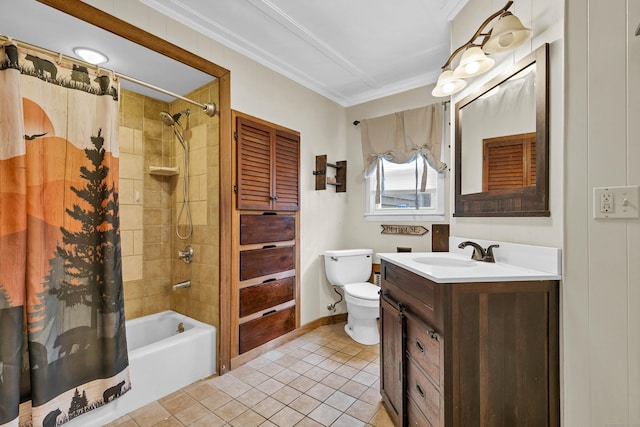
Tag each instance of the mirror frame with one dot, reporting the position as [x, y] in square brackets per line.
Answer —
[516, 202]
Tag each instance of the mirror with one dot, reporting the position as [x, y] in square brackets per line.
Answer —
[501, 143]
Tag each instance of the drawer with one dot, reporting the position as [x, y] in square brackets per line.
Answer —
[265, 261]
[415, 418]
[425, 347]
[418, 287]
[271, 325]
[266, 228]
[264, 295]
[425, 395]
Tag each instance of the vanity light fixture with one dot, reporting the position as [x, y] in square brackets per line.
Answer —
[91, 56]
[508, 33]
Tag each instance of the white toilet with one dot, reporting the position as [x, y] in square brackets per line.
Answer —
[350, 269]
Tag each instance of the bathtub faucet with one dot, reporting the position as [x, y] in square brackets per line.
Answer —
[185, 284]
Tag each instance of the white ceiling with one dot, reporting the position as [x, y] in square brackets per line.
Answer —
[350, 51]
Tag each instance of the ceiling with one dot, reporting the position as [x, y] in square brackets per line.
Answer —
[349, 51]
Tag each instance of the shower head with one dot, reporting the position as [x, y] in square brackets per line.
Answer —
[171, 120]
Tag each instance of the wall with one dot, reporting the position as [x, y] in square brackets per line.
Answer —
[260, 92]
[601, 269]
[144, 205]
[544, 17]
[150, 205]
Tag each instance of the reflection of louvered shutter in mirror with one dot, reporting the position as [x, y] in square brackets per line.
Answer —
[268, 167]
[509, 162]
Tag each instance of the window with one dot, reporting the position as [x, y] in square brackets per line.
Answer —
[400, 195]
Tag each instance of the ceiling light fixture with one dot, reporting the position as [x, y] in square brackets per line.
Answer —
[91, 56]
[508, 33]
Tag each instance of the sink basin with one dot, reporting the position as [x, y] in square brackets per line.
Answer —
[444, 262]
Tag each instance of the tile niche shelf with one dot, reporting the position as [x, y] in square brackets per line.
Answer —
[323, 178]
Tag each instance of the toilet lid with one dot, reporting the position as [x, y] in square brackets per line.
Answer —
[363, 290]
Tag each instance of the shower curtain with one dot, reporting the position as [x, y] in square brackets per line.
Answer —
[63, 348]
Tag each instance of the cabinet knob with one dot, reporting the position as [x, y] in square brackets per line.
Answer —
[273, 198]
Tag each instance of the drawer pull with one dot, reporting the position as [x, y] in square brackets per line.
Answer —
[420, 390]
[273, 279]
[269, 213]
[268, 246]
[268, 313]
[420, 346]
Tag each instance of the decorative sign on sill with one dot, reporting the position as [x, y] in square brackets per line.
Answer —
[409, 230]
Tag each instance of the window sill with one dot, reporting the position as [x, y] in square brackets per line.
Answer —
[410, 217]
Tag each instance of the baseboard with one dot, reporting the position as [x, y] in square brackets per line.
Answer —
[281, 340]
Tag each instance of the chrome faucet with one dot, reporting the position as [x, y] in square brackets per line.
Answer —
[480, 254]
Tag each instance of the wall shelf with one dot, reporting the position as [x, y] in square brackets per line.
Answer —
[323, 178]
[164, 170]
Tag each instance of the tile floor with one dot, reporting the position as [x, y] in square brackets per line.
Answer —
[322, 378]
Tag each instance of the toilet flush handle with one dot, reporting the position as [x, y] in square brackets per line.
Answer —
[334, 258]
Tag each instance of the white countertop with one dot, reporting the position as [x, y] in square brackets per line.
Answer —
[463, 269]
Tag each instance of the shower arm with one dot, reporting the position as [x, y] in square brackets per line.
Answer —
[209, 108]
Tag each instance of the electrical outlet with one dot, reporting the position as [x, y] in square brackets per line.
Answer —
[616, 202]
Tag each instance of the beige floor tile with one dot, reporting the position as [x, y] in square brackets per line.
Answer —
[286, 417]
[252, 397]
[324, 377]
[268, 407]
[150, 414]
[191, 414]
[230, 410]
[302, 383]
[353, 388]
[362, 410]
[304, 404]
[320, 392]
[177, 403]
[248, 419]
[345, 420]
[210, 420]
[270, 386]
[216, 400]
[325, 414]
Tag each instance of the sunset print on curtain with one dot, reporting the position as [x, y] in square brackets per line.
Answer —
[63, 347]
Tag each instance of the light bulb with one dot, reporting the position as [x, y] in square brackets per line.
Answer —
[448, 87]
[472, 67]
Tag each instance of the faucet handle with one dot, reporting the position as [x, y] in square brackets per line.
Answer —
[488, 257]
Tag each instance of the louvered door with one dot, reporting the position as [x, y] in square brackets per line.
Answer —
[268, 167]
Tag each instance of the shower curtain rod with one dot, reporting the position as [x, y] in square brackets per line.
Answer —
[209, 108]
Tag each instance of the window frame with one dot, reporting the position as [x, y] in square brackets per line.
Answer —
[436, 214]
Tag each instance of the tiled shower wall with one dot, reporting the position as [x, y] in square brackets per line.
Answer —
[148, 207]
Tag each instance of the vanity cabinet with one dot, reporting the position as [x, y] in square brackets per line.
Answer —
[469, 354]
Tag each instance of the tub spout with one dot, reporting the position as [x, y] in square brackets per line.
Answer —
[185, 284]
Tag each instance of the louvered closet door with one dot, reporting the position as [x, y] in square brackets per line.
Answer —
[254, 165]
[509, 162]
[287, 166]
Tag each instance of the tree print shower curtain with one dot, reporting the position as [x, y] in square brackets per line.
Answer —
[63, 347]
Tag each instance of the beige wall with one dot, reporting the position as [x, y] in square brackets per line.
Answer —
[150, 205]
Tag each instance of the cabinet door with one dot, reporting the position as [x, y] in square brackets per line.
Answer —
[254, 165]
[268, 162]
[391, 355]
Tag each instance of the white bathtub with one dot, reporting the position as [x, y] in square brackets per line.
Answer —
[161, 361]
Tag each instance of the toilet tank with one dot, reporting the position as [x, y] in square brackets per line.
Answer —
[348, 266]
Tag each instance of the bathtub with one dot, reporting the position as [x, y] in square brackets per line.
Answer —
[161, 361]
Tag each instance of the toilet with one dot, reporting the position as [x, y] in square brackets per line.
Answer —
[350, 269]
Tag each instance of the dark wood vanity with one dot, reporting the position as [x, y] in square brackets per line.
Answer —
[469, 354]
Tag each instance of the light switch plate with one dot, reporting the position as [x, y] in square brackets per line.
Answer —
[616, 202]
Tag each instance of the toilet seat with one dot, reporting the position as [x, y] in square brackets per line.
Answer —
[363, 290]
